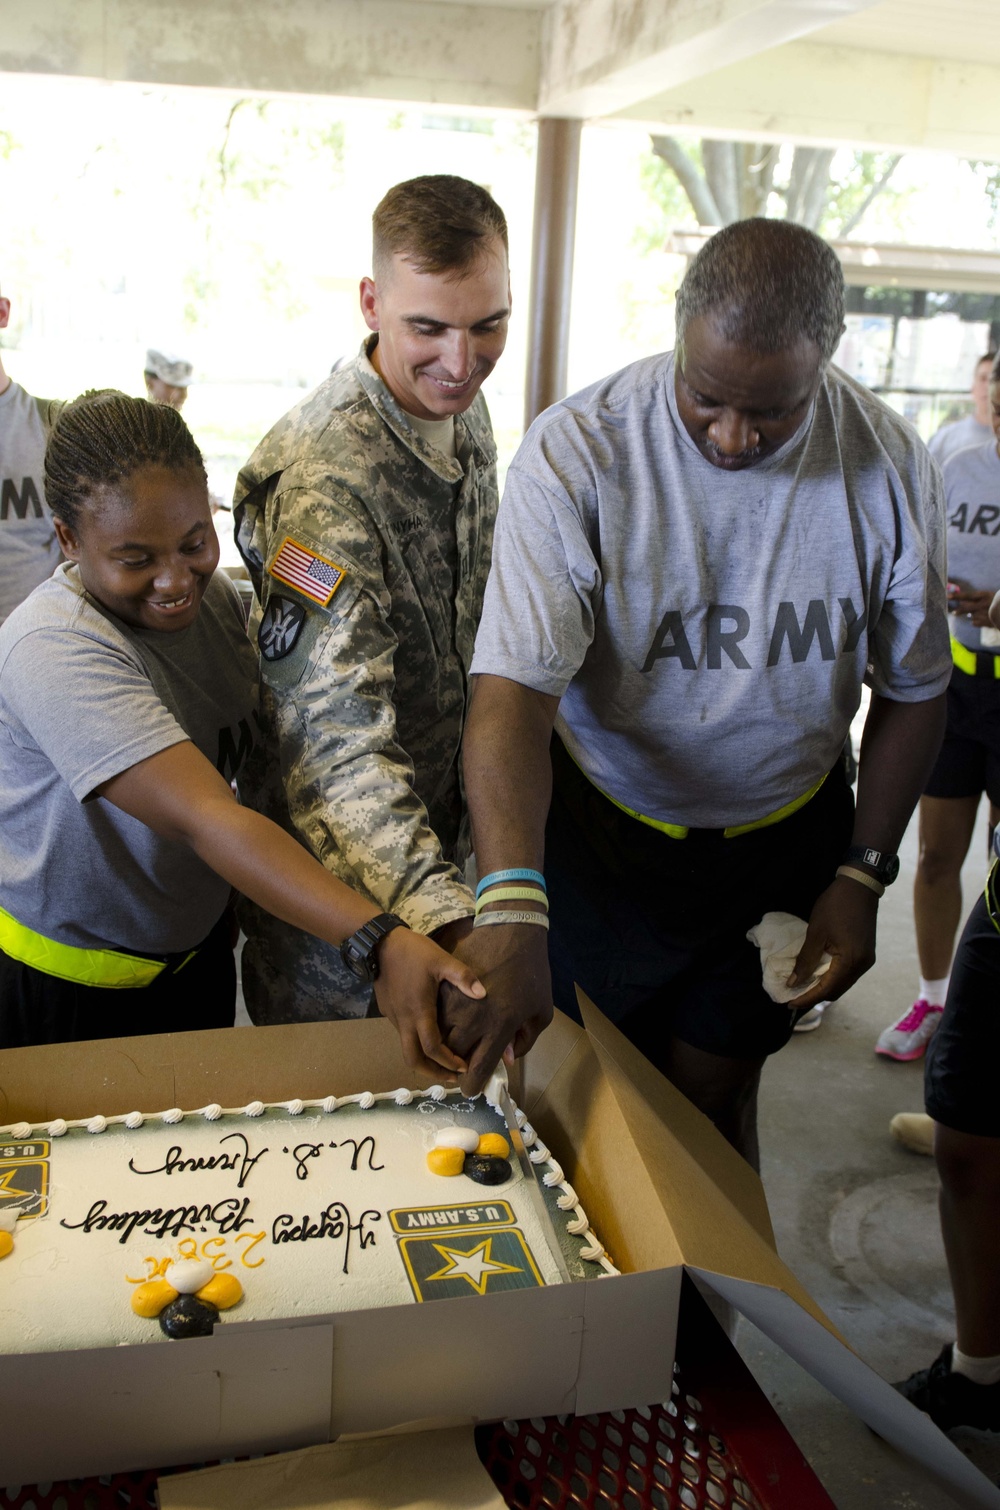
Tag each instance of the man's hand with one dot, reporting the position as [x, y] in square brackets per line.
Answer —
[973, 604]
[412, 971]
[842, 924]
[512, 962]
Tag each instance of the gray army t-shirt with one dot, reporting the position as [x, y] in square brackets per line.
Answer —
[29, 551]
[957, 436]
[708, 631]
[972, 491]
[83, 697]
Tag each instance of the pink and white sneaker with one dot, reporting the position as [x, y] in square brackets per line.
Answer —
[908, 1038]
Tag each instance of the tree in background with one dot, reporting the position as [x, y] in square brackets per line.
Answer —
[723, 181]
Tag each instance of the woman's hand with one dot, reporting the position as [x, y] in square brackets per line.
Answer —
[412, 968]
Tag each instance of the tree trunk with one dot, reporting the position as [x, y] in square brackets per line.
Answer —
[719, 159]
[691, 181]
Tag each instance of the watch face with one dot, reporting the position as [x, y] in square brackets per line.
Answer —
[359, 959]
[890, 870]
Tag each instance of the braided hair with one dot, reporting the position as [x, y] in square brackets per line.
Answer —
[104, 437]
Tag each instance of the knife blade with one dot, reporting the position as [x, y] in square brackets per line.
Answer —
[498, 1092]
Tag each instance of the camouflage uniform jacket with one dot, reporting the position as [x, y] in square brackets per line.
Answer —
[369, 552]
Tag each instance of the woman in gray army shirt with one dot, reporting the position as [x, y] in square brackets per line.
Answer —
[128, 696]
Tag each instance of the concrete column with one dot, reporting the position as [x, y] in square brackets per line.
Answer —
[557, 174]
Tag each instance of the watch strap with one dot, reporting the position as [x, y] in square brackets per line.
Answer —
[360, 951]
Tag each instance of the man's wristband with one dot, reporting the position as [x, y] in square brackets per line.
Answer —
[861, 875]
[513, 894]
[519, 873]
[488, 919]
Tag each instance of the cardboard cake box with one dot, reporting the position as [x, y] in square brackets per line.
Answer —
[661, 1188]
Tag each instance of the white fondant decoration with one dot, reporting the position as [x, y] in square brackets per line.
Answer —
[254, 1109]
[173, 1115]
[97, 1124]
[21, 1130]
[134, 1120]
[8, 1221]
[465, 1138]
[189, 1276]
[58, 1128]
[212, 1112]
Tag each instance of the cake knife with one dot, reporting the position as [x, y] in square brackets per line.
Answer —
[498, 1093]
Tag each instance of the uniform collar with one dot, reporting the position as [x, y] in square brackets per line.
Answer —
[473, 425]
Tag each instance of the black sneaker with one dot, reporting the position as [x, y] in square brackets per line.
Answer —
[951, 1399]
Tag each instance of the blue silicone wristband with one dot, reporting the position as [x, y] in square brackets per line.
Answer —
[510, 875]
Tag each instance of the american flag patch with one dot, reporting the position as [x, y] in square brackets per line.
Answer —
[315, 576]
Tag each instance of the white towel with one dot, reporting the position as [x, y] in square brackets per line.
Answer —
[779, 936]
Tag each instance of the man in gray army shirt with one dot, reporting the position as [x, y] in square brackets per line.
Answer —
[29, 551]
[366, 518]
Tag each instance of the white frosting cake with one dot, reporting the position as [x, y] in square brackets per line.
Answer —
[110, 1225]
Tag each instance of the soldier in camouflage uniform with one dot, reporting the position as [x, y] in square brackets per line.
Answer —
[366, 519]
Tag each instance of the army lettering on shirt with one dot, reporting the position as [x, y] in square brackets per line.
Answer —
[726, 630]
[708, 632]
[29, 551]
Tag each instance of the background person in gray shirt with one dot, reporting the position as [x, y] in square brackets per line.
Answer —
[697, 563]
[975, 429]
[969, 762]
[29, 551]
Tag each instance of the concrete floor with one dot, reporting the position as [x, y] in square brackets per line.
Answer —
[856, 1215]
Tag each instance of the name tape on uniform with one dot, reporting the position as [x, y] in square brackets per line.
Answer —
[308, 572]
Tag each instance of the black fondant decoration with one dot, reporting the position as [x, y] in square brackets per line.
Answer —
[187, 1316]
[486, 1168]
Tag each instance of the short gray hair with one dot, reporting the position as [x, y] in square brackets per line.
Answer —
[767, 283]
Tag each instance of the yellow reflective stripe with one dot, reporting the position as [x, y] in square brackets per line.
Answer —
[86, 967]
[989, 895]
[965, 659]
[782, 812]
[672, 830]
[678, 830]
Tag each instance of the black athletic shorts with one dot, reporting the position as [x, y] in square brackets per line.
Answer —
[969, 762]
[654, 928]
[960, 1074]
[38, 1008]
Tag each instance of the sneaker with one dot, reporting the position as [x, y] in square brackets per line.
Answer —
[811, 1019]
[915, 1130]
[951, 1399]
[908, 1038]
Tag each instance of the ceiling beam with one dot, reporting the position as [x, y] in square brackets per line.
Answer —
[453, 54]
[604, 56]
[812, 92]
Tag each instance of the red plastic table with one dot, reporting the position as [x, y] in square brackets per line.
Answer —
[716, 1444]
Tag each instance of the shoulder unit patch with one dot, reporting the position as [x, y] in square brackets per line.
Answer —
[307, 571]
[280, 627]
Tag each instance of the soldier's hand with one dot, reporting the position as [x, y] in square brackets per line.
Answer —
[412, 970]
[513, 963]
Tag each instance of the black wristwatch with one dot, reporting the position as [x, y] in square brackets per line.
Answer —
[360, 951]
[885, 867]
